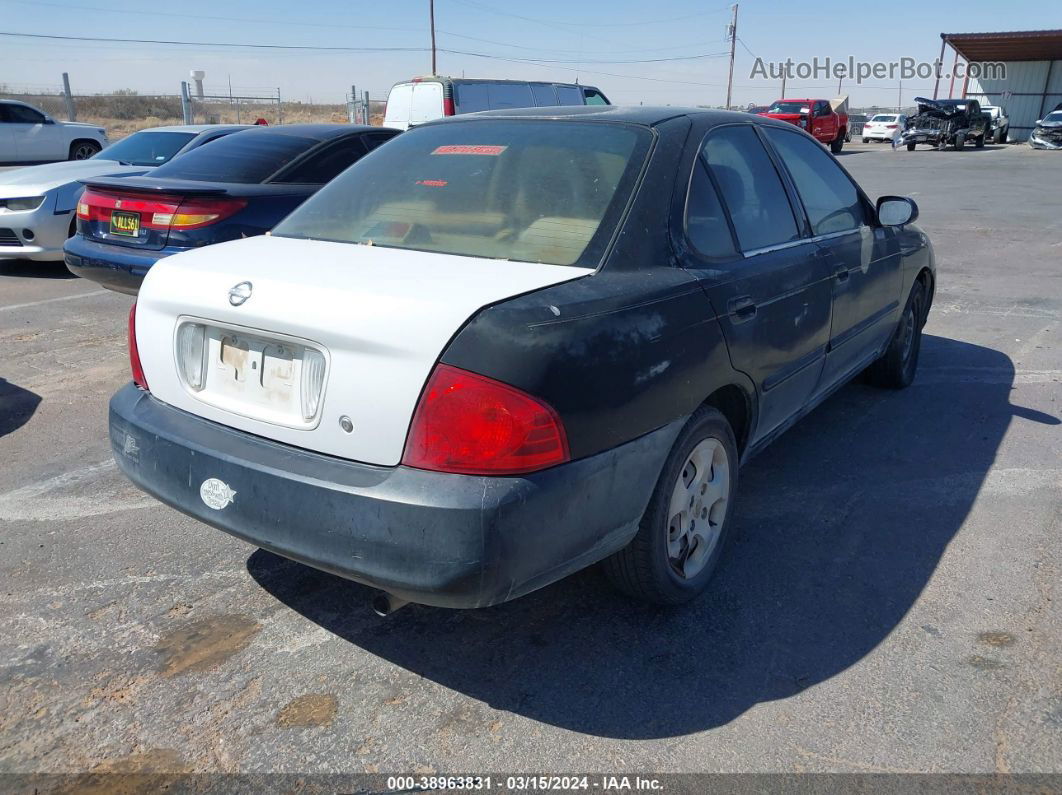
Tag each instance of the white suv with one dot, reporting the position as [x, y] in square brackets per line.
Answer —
[28, 135]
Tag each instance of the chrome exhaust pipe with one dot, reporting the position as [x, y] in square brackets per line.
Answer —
[384, 604]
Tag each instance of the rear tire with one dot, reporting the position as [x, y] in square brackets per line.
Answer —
[83, 150]
[671, 559]
[910, 147]
[896, 368]
[866, 140]
[837, 144]
[979, 141]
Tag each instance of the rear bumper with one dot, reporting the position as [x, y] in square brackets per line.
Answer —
[428, 537]
[114, 267]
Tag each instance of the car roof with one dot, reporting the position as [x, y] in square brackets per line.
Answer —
[507, 80]
[634, 114]
[320, 132]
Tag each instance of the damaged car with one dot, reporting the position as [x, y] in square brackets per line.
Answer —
[509, 345]
[946, 122]
[1048, 132]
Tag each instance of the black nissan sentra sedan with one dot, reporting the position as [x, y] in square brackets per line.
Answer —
[510, 345]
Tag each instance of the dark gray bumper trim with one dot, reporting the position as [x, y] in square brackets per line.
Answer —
[440, 539]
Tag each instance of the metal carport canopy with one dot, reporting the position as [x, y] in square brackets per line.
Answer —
[1028, 45]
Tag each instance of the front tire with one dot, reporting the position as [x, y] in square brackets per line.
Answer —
[896, 368]
[960, 142]
[685, 526]
[910, 147]
[83, 150]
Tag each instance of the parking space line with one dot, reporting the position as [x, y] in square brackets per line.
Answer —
[52, 300]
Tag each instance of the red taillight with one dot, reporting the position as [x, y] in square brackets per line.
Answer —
[448, 106]
[890, 126]
[474, 425]
[134, 353]
[160, 212]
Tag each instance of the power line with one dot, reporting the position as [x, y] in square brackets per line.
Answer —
[144, 12]
[595, 23]
[320, 48]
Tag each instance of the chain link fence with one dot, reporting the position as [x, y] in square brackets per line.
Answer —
[125, 111]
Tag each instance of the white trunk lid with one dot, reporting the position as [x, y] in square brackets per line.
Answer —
[380, 317]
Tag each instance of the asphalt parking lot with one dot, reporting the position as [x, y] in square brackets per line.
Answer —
[890, 601]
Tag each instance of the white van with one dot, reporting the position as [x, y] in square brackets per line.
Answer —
[425, 98]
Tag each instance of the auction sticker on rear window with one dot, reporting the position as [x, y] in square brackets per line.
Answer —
[469, 149]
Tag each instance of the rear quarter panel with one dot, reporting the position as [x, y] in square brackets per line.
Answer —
[624, 351]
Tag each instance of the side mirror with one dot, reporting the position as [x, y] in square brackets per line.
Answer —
[49, 120]
[896, 210]
[1039, 121]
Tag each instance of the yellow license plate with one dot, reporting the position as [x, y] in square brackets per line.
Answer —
[127, 224]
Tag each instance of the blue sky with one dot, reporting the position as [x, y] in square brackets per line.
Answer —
[576, 37]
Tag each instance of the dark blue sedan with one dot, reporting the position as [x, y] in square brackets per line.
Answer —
[236, 187]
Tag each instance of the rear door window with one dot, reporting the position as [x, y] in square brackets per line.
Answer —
[829, 197]
[544, 94]
[569, 95]
[244, 157]
[594, 97]
[706, 224]
[751, 187]
[326, 164]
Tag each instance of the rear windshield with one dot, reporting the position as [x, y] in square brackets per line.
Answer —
[246, 157]
[146, 148]
[880, 117]
[531, 191]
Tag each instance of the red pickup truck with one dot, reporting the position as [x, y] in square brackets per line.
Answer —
[827, 121]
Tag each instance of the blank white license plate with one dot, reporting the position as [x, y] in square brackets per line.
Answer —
[254, 376]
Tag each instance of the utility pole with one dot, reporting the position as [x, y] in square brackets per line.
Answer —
[431, 15]
[71, 112]
[733, 43]
[784, 75]
[899, 98]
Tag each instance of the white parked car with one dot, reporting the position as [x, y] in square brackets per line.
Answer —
[884, 127]
[37, 203]
[28, 135]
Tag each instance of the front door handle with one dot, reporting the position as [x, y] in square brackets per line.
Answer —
[742, 308]
[841, 274]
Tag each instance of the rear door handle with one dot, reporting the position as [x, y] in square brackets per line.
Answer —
[841, 274]
[742, 308]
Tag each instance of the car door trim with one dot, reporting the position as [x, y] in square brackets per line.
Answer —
[861, 326]
[796, 367]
